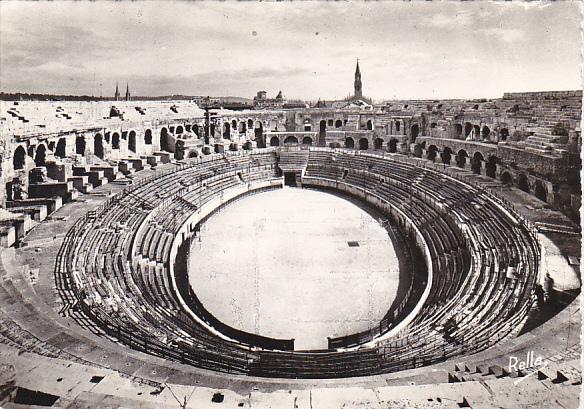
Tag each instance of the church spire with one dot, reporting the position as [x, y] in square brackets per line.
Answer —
[358, 84]
[127, 92]
[117, 94]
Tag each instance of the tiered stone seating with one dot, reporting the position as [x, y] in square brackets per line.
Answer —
[123, 282]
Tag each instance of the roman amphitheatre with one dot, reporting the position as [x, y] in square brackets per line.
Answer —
[163, 254]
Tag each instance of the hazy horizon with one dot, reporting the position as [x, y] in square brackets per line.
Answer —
[308, 50]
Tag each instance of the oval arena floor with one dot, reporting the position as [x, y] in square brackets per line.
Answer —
[288, 262]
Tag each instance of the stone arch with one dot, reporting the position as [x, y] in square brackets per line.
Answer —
[446, 155]
[61, 148]
[539, 191]
[491, 166]
[338, 123]
[476, 162]
[234, 125]
[250, 123]
[414, 131]
[485, 132]
[523, 183]
[461, 156]
[164, 145]
[107, 137]
[307, 125]
[259, 136]
[418, 150]
[432, 152]
[115, 140]
[397, 126]
[307, 140]
[226, 130]
[458, 130]
[19, 158]
[195, 129]
[477, 132]
[80, 145]
[369, 125]
[179, 130]
[148, 137]
[188, 127]
[242, 127]
[363, 144]
[393, 145]
[322, 127]
[274, 141]
[349, 143]
[98, 146]
[504, 134]
[291, 140]
[506, 178]
[467, 129]
[30, 151]
[378, 144]
[40, 155]
[132, 141]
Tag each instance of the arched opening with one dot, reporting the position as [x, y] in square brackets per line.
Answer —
[393, 145]
[259, 136]
[369, 125]
[523, 183]
[196, 129]
[30, 151]
[476, 162]
[226, 130]
[61, 148]
[363, 144]
[291, 140]
[417, 150]
[274, 141]
[338, 123]
[307, 125]
[432, 152]
[179, 130]
[250, 124]
[504, 134]
[242, 127]
[467, 129]
[506, 178]
[446, 155]
[188, 127]
[148, 137]
[115, 140]
[349, 143]
[491, 166]
[307, 140]
[80, 145]
[18, 159]
[378, 144]
[98, 146]
[486, 132]
[461, 158]
[477, 132]
[132, 141]
[322, 127]
[539, 191]
[40, 156]
[458, 130]
[107, 137]
[414, 131]
[52, 146]
[193, 154]
[397, 126]
[164, 140]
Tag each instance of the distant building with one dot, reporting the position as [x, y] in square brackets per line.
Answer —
[117, 94]
[127, 92]
[260, 101]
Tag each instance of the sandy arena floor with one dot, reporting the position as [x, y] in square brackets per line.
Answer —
[279, 264]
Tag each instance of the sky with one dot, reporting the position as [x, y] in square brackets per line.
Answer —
[414, 50]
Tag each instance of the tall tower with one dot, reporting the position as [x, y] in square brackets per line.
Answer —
[127, 92]
[117, 94]
[358, 84]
